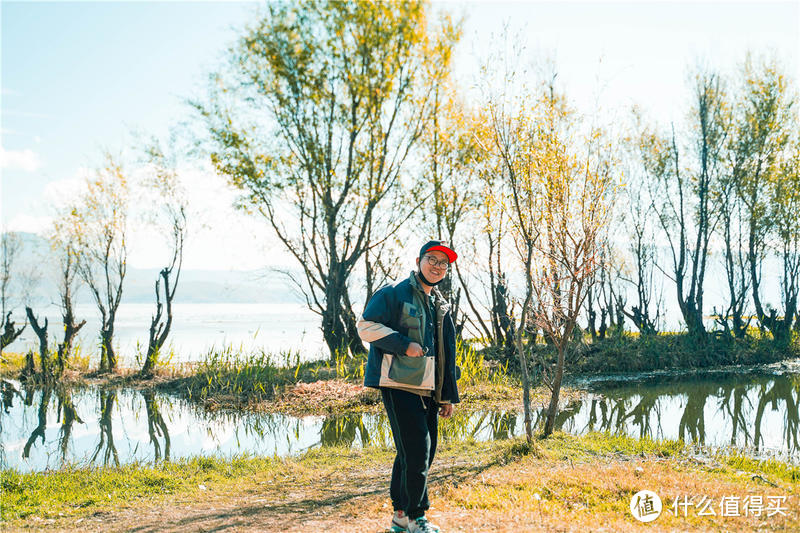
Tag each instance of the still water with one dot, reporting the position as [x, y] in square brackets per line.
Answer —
[196, 329]
[43, 430]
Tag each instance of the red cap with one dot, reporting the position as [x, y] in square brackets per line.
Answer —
[439, 246]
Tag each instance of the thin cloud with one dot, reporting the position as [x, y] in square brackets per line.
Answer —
[30, 224]
[26, 160]
[15, 113]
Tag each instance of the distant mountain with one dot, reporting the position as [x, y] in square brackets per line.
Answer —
[36, 266]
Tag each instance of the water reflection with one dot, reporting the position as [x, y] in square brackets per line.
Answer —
[68, 416]
[46, 429]
[156, 427]
[717, 411]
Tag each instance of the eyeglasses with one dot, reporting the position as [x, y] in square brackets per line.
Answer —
[443, 264]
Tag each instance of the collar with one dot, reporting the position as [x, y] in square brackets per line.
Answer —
[439, 301]
[416, 283]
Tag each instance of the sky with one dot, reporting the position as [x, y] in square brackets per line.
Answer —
[79, 77]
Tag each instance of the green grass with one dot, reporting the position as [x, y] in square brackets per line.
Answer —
[564, 446]
[475, 370]
[253, 377]
[82, 491]
[677, 350]
[769, 467]
[631, 352]
[71, 489]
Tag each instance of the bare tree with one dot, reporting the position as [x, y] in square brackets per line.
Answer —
[733, 230]
[10, 246]
[646, 310]
[575, 188]
[681, 194]
[44, 357]
[763, 133]
[170, 218]
[102, 225]
[513, 136]
[314, 122]
[64, 241]
[452, 158]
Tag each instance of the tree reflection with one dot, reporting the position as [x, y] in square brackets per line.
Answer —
[341, 430]
[156, 426]
[772, 393]
[9, 391]
[68, 416]
[38, 432]
[106, 444]
[732, 402]
[502, 424]
[692, 426]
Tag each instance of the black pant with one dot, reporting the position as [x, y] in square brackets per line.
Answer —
[415, 427]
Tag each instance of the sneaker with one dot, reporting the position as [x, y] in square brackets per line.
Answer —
[399, 522]
[421, 525]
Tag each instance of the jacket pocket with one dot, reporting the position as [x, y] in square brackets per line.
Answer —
[411, 319]
[405, 371]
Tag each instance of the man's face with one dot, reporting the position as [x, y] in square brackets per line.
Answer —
[433, 273]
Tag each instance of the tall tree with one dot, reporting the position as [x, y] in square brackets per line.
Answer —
[683, 182]
[762, 134]
[314, 121]
[513, 137]
[169, 218]
[733, 231]
[646, 310]
[560, 185]
[10, 245]
[102, 216]
[64, 241]
[786, 206]
[574, 178]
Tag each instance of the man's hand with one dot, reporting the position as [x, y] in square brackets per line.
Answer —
[446, 410]
[414, 350]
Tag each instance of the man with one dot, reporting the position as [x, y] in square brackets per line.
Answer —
[412, 362]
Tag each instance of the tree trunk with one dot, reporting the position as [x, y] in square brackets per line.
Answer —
[526, 387]
[107, 350]
[30, 367]
[523, 363]
[552, 409]
[9, 333]
[41, 332]
[65, 348]
[354, 342]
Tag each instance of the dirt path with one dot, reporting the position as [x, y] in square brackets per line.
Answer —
[469, 492]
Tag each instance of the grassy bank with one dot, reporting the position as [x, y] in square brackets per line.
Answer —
[230, 378]
[561, 483]
[635, 353]
[631, 352]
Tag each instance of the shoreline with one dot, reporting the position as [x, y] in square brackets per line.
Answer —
[563, 482]
[318, 387]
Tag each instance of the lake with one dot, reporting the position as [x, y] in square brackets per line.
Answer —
[756, 412]
[196, 328]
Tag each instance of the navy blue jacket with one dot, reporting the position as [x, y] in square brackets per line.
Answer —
[394, 317]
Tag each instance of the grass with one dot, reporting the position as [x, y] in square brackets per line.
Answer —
[234, 378]
[677, 350]
[560, 483]
[631, 352]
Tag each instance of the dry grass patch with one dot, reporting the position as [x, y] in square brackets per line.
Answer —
[565, 483]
